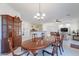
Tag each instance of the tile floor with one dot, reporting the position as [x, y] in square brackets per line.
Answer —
[68, 51]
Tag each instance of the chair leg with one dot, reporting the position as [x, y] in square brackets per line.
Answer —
[62, 46]
[35, 54]
[57, 51]
[43, 52]
[46, 52]
[28, 53]
[60, 50]
[54, 50]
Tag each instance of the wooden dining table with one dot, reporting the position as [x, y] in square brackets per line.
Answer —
[33, 46]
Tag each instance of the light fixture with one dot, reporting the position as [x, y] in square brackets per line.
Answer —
[43, 14]
[39, 15]
[38, 18]
[35, 16]
[42, 17]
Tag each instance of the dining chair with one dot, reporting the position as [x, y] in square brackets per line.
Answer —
[57, 44]
[18, 51]
[48, 50]
[51, 49]
[61, 42]
[42, 36]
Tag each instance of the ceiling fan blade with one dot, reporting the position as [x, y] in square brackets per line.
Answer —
[58, 20]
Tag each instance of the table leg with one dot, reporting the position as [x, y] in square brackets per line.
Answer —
[34, 53]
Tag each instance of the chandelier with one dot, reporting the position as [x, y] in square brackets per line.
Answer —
[39, 15]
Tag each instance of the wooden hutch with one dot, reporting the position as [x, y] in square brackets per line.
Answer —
[10, 24]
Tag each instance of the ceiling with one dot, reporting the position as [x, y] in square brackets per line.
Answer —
[66, 12]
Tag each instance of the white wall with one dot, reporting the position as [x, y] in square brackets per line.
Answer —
[5, 9]
[26, 30]
[74, 26]
[54, 27]
[50, 27]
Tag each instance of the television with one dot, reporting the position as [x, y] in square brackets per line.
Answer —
[64, 29]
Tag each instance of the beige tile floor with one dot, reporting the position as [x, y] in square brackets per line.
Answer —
[68, 51]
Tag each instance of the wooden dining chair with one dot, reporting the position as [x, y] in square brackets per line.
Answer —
[42, 36]
[18, 51]
[61, 42]
[52, 50]
[57, 44]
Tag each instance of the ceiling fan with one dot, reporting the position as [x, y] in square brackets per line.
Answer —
[57, 20]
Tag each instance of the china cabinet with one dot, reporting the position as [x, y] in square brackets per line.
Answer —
[13, 25]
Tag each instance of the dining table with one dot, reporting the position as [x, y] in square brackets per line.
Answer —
[38, 44]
